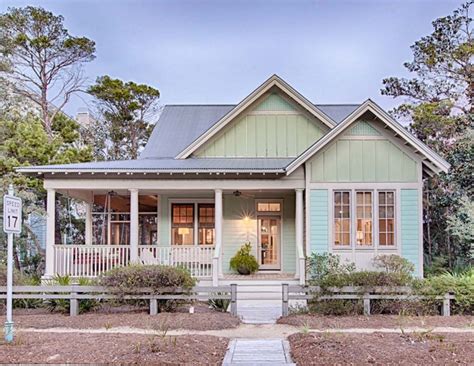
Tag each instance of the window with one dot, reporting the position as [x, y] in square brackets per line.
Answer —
[268, 207]
[206, 224]
[342, 219]
[182, 226]
[364, 218]
[386, 218]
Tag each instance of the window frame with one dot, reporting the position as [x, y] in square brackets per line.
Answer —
[195, 202]
[333, 218]
[353, 222]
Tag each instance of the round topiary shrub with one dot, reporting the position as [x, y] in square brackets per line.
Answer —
[244, 261]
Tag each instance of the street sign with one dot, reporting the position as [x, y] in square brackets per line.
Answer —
[11, 214]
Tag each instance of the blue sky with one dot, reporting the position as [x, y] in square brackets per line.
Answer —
[218, 51]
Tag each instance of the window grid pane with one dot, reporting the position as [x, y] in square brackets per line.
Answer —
[342, 219]
[206, 218]
[182, 231]
[364, 218]
[386, 218]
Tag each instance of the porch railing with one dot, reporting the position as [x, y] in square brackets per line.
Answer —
[93, 260]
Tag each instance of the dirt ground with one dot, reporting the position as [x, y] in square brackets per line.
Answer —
[376, 321]
[116, 348]
[134, 318]
[382, 349]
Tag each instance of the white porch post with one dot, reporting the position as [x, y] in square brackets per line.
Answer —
[133, 225]
[50, 232]
[217, 259]
[299, 213]
[88, 233]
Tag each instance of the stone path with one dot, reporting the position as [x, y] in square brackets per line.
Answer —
[258, 313]
[258, 352]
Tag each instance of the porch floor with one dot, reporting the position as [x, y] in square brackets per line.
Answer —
[260, 276]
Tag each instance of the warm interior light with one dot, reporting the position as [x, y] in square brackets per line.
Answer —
[183, 231]
[246, 218]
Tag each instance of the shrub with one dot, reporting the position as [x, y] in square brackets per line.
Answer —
[319, 266]
[393, 263]
[244, 262]
[126, 280]
[219, 304]
[63, 305]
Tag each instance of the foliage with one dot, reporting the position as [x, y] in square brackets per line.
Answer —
[40, 57]
[321, 265]
[219, 304]
[125, 113]
[63, 305]
[438, 103]
[244, 261]
[393, 263]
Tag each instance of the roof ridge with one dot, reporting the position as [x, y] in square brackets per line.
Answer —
[199, 105]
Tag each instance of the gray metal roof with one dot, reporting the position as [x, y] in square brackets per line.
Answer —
[170, 165]
[180, 125]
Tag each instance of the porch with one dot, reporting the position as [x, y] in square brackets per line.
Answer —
[197, 229]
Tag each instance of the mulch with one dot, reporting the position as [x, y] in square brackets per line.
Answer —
[382, 349]
[314, 321]
[113, 348]
[202, 319]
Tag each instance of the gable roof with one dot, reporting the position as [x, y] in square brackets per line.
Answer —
[180, 125]
[272, 82]
[430, 159]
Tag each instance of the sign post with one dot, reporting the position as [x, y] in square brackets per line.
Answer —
[12, 208]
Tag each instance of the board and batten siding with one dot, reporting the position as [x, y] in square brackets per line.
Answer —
[237, 231]
[363, 160]
[318, 220]
[410, 227]
[265, 133]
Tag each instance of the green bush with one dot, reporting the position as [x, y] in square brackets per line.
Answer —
[244, 261]
[321, 265]
[63, 305]
[219, 304]
[126, 280]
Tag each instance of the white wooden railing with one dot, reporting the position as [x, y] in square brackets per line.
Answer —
[93, 260]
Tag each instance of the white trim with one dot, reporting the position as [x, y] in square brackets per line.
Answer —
[273, 81]
[369, 105]
[156, 185]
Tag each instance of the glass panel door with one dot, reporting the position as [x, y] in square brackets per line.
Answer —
[269, 242]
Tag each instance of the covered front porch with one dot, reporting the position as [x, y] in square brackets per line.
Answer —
[193, 226]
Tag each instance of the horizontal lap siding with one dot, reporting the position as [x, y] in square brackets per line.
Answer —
[410, 227]
[319, 220]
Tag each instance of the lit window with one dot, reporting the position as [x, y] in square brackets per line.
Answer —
[206, 224]
[364, 218]
[386, 218]
[268, 207]
[342, 219]
[182, 226]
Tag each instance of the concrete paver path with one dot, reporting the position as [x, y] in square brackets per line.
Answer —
[258, 352]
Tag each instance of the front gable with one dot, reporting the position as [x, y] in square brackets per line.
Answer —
[364, 154]
[273, 126]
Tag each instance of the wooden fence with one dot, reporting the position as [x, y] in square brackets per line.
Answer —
[75, 293]
[357, 293]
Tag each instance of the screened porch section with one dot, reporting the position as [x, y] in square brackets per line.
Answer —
[110, 233]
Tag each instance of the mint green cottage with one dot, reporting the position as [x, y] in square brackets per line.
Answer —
[289, 176]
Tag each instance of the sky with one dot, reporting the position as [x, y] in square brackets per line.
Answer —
[217, 52]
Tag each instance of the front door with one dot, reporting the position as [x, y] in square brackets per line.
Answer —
[269, 243]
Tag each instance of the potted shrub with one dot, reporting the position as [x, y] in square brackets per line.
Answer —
[244, 261]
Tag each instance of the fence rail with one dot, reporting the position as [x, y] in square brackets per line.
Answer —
[75, 293]
[357, 293]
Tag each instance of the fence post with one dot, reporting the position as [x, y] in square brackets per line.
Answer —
[366, 304]
[153, 306]
[446, 309]
[233, 299]
[73, 302]
[284, 297]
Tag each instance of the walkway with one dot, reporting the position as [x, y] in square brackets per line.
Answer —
[258, 352]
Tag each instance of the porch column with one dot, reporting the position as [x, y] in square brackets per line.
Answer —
[133, 225]
[299, 220]
[50, 232]
[217, 259]
[88, 233]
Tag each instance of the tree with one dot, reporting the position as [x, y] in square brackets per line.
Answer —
[126, 110]
[438, 104]
[42, 60]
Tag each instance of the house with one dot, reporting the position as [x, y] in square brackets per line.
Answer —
[275, 170]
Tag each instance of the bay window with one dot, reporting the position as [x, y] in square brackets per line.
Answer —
[364, 218]
[386, 213]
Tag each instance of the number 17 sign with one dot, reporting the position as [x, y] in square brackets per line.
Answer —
[11, 214]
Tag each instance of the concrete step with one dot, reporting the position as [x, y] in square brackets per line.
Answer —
[258, 352]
